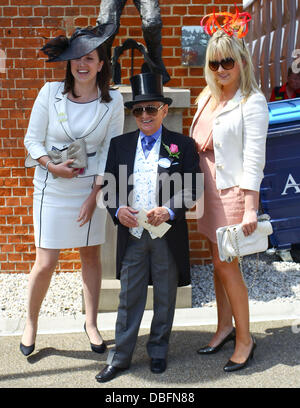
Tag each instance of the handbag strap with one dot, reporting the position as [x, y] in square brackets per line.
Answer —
[239, 257]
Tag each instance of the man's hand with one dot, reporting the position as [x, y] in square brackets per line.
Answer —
[158, 215]
[127, 218]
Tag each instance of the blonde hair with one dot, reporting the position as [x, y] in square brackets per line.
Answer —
[220, 46]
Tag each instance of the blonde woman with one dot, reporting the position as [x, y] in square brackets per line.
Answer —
[230, 128]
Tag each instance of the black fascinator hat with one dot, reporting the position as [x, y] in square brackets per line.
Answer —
[147, 87]
[82, 42]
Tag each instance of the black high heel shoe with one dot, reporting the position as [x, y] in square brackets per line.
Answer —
[232, 366]
[26, 350]
[211, 350]
[97, 348]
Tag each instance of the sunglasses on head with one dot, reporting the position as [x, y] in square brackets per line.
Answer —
[149, 109]
[227, 63]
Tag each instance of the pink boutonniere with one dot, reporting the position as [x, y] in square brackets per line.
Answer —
[172, 150]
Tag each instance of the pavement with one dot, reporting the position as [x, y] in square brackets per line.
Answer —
[63, 358]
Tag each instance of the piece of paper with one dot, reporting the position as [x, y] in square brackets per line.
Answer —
[159, 231]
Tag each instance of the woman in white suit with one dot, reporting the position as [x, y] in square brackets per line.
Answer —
[230, 128]
[64, 204]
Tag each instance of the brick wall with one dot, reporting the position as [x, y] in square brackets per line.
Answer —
[23, 24]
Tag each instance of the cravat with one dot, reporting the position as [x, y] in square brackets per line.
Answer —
[147, 144]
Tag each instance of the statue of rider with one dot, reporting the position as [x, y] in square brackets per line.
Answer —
[110, 12]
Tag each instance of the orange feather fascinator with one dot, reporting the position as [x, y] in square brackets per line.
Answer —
[231, 24]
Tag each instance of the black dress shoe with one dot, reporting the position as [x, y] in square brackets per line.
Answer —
[26, 350]
[232, 366]
[211, 350]
[97, 348]
[158, 365]
[108, 373]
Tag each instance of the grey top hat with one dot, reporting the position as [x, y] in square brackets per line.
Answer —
[82, 42]
[147, 87]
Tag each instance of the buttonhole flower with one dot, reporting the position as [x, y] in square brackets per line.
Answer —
[172, 150]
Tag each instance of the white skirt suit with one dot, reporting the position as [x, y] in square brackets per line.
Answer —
[57, 201]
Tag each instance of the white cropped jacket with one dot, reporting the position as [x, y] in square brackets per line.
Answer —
[239, 139]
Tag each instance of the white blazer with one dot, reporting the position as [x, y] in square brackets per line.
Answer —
[239, 139]
[48, 126]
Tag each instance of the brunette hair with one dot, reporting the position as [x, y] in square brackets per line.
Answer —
[102, 79]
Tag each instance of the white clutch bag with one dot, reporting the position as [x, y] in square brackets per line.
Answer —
[233, 243]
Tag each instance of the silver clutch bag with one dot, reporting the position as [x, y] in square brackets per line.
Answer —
[233, 243]
[76, 151]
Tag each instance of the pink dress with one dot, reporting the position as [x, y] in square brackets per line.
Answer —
[221, 207]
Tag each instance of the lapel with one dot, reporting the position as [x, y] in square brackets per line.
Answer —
[61, 110]
[163, 173]
[228, 107]
[167, 140]
[236, 100]
[202, 102]
[60, 105]
[101, 111]
[129, 150]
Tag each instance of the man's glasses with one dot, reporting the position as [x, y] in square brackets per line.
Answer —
[227, 63]
[149, 109]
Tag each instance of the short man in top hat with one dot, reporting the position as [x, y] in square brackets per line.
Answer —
[150, 156]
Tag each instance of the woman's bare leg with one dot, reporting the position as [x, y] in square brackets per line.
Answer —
[224, 311]
[91, 280]
[234, 288]
[39, 281]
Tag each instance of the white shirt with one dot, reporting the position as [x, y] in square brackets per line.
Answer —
[79, 114]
